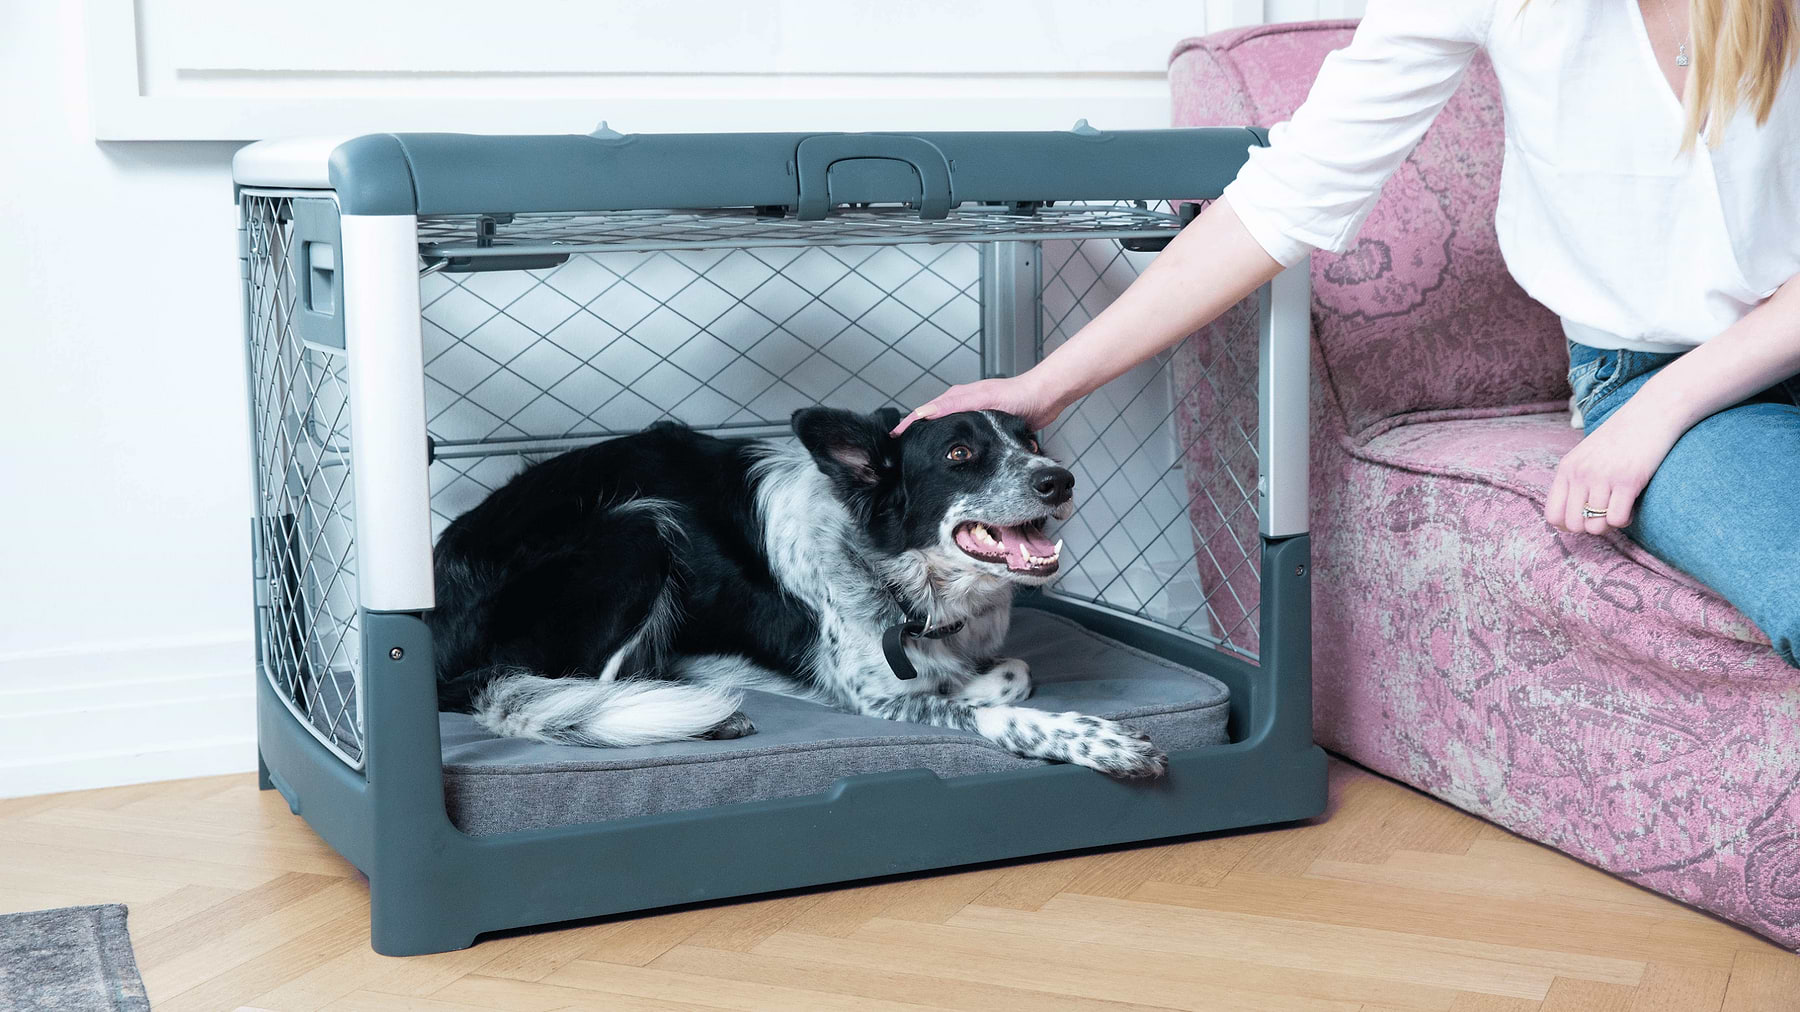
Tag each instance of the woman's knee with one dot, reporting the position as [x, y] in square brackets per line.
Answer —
[1723, 507]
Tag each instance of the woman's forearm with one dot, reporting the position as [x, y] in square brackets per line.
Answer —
[1205, 270]
[1749, 356]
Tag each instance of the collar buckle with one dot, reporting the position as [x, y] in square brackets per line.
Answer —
[893, 644]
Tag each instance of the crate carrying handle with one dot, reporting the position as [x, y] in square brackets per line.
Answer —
[316, 241]
[814, 157]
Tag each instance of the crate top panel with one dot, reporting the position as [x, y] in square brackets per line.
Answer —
[807, 176]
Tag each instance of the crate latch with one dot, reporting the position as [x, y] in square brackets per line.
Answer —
[318, 302]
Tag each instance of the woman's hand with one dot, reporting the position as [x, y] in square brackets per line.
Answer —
[1206, 269]
[1609, 469]
[1019, 395]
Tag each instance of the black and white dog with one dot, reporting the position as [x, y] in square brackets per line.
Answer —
[622, 593]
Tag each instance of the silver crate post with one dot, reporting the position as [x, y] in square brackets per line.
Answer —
[1010, 320]
[381, 330]
[1284, 329]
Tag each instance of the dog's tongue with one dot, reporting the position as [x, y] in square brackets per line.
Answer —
[1019, 541]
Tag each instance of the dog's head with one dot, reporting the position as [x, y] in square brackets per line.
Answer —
[974, 489]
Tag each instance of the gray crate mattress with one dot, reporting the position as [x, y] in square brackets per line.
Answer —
[498, 785]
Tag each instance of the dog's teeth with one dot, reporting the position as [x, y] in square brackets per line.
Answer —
[1056, 553]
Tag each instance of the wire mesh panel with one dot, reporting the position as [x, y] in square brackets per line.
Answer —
[725, 340]
[779, 314]
[311, 649]
[1165, 459]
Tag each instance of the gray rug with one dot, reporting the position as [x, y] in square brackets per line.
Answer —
[76, 959]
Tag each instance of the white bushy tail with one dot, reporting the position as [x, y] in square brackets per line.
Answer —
[585, 711]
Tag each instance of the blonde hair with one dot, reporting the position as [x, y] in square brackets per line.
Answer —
[1742, 50]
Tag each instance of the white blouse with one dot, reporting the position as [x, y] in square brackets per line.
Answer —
[1601, 218]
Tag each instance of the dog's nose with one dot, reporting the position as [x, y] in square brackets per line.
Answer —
[1053, 484]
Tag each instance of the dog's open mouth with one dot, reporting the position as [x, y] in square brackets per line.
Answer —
[1024, 548]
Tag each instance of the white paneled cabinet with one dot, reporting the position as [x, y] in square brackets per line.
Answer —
[227, 70]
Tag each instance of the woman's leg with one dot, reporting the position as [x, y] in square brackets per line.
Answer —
[1725, 507]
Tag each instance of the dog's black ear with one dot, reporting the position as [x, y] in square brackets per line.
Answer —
[889, 417]
[852, 449]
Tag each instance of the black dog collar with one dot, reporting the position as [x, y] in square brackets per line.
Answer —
[893, 643]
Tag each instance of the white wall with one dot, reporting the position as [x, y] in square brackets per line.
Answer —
[124, 636]
[125, 645]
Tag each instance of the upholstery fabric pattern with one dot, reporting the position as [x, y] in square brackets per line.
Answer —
[1570, 688]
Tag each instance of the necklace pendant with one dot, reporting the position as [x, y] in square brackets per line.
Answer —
[1681, 58]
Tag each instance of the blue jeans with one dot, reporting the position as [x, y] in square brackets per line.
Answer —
[1725, 504]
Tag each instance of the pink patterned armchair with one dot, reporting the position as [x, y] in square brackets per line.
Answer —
[1570, 688]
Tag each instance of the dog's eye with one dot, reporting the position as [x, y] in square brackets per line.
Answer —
[960, 452]
[1032, 445]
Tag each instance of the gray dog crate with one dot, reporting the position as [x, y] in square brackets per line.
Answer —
[425, 313]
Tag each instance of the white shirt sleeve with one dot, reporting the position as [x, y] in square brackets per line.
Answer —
[1324, 168]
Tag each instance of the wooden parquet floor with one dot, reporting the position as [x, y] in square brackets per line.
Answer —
[1395, 901]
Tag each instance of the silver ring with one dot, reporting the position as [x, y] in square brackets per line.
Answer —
[1591, 513]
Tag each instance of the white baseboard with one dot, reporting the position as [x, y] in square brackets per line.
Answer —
[126, 714]
[116, 769]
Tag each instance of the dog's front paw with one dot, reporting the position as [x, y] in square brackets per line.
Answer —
[1117, 751]
[1094, 742]
[1008, 681]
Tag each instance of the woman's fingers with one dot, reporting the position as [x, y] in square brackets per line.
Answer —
[989, 393]
[1559, 497]
[947, 403]
[1604, 474]
[926, 410]
[1017, 395]
[1570, 496]
[1600, 501]
[1618, 511]
[1573, 521]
